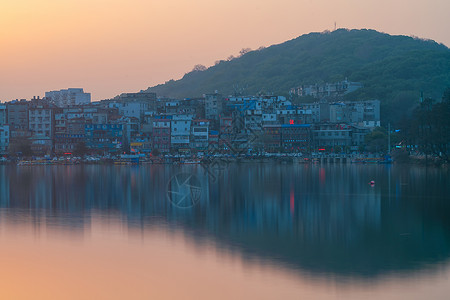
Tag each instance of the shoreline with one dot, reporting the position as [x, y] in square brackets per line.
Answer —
[226, 160]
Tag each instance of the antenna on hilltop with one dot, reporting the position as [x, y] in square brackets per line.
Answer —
[334, 26]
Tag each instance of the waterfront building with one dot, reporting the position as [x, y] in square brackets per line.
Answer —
[4, 130]
[41, 145]
[141, 143]
[3, 114]
[105, 138]
[213, 140]
[69, 133]
[358, 135]
[161, 133]
[4, 138]
[226, 131]
[329, 135]
[199, 134]
[180, 132]
[296, 137]
[17, 118]
[272, 138]
[41, 118]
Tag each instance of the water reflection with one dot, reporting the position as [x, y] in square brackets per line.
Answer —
[316, 219]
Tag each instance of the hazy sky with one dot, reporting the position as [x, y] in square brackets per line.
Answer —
[111, 46]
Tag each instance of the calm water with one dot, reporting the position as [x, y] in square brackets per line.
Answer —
[246, 231]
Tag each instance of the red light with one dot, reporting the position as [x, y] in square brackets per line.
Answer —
[291, 122]
[322, 149]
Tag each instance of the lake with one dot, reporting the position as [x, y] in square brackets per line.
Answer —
[233, 231]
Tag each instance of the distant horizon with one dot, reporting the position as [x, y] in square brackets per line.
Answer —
[127, 47]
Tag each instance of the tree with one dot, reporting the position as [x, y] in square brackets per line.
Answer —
[429, 127]
[21, 147]
[156, 152]
[446, 96]
[80, 149]
[376, 141]
[244, 51]
[199, 68]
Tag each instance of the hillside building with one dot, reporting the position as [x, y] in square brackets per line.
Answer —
[69, 97]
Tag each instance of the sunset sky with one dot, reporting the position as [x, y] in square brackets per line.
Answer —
[109, 46]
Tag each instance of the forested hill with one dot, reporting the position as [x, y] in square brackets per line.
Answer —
[393, 69]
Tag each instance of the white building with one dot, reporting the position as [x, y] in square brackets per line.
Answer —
[69, 97]
[180, 130]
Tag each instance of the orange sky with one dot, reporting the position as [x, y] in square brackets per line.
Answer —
[111, 46]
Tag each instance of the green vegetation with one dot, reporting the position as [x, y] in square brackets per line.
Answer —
[394, 69]
[81, 149]
[429, 128]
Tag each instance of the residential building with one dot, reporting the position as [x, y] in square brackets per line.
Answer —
[105, 138]
[41, 145]
[4, 138]
[132, 104]
[272, 138]
[161, 133]
[213, 106]
[17, 116]
[3, 114]
[296, 137]
[334, 90]
[180, 132]
[199, 134]
[328, 135]
[68, 97]
[41, 118]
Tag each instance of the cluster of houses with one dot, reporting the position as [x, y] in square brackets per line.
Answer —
[326, 90]
[66, 121]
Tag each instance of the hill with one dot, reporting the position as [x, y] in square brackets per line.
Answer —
[393, 69]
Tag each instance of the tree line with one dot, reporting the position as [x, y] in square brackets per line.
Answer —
[428, 128]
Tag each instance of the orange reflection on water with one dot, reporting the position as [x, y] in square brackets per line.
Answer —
[107, 260]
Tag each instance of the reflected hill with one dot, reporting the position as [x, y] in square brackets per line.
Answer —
[311, 218]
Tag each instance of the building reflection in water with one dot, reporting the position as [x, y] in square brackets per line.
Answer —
[313, 218]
